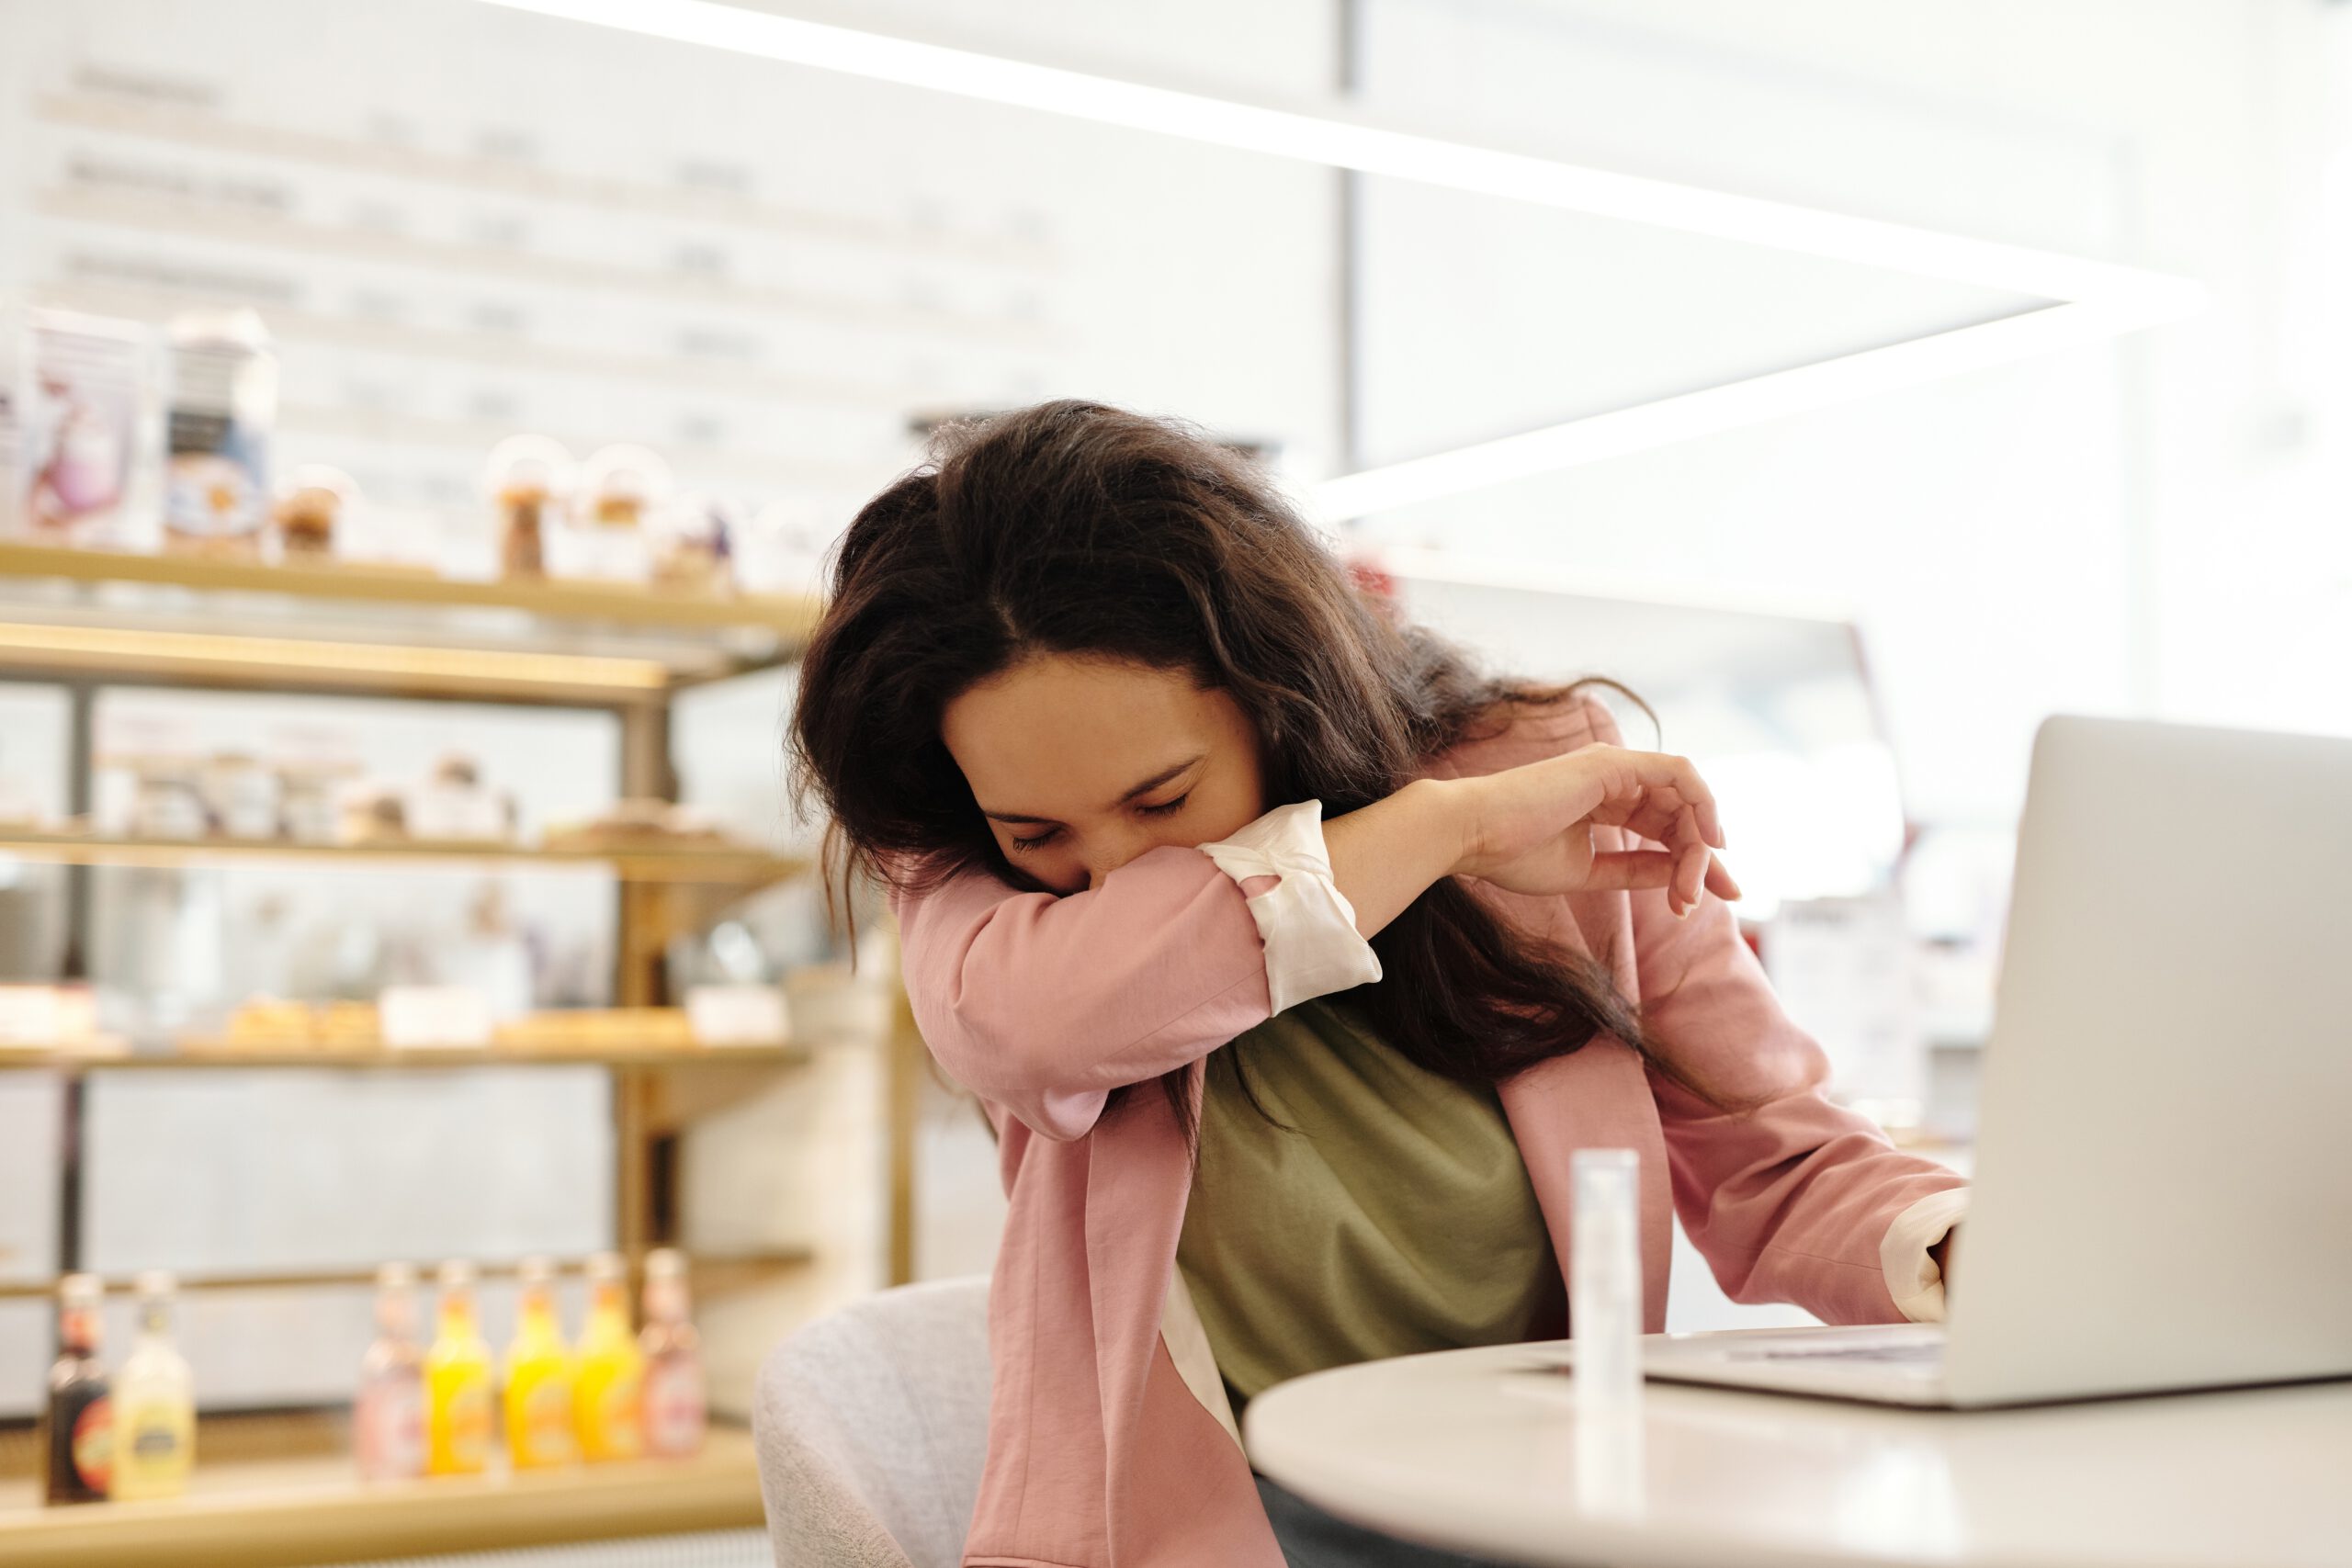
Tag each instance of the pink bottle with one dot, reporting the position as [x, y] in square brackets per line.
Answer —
[389, 1418]
[676, 1409]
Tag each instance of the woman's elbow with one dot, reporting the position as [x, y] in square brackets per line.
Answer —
[1026, 1070]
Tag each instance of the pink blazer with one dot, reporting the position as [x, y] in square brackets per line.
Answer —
[1099, 1454]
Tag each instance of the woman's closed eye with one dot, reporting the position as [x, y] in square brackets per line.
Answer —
[1165, 809]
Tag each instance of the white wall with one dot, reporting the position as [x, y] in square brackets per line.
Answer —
[2144, 526]
[464, 221]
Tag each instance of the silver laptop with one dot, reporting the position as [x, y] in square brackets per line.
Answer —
[2163, 1175]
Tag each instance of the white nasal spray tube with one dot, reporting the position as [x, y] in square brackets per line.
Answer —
[1605, 1326]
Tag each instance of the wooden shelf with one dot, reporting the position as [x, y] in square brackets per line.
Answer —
[619, 603]
[282, 1512]
[246, 1057]
[382, 630]
[747, 868]
[708, 1273]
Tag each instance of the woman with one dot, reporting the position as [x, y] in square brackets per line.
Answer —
[1291, 959]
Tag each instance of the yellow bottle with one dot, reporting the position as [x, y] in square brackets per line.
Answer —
[154, 1404]
[457, 1382]
[611, 1369]
[540, 1377]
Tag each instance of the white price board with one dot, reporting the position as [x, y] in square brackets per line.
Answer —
[431, 1017]
[736, 1015]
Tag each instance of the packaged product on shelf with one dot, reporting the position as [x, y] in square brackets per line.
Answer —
[267, 1023]
[76, 1436]
[489, 955]
[78, 434]
[694, 544]
[457, 1382]
[620, 488]
[454, 805]
[737, 1015]
[539, 1421]
[41, 1017]
[371, 814]
[223, 402]
[313, 763]
[154, 1404]
[388, 1418]
[529, 479]
[240, 797]
[170, 799]
[610, 1393]
[311, 506]
[676, 1400]
[639, 822]
[620, 485]
[20, 809]
[592, 1029]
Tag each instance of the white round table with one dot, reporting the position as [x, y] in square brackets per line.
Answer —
[1472, 1450]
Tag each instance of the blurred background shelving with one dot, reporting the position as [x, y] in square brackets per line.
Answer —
[258, 1168]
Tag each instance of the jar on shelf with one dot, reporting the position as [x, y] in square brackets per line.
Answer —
[529, 481]
[694, 543]
[314, 504]
[620, 485]
[621, 489]
[455, 804]
[240, 797]
[169, 803]
[372, 814]
[312, 763]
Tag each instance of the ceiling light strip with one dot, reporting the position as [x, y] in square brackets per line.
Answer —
[1664, 420]
[2093, 299]
[1334, 136]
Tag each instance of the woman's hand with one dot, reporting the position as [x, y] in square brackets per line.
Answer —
[1528, 829]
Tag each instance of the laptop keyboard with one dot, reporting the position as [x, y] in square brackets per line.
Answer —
[1918, 1354]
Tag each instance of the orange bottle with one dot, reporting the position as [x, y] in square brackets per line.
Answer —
[540, 1378]
[610, 1387]
[457, 1382]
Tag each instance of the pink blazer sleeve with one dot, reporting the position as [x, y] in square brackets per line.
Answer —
[1789, 1197]
[1044, 1004]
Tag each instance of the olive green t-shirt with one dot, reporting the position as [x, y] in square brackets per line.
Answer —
[1397, 1217]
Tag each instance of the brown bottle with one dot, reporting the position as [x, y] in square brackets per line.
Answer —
[76, 1436]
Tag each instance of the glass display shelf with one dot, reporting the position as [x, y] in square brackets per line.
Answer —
[278, 1490]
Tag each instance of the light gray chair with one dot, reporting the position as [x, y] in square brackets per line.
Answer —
[871, 1425]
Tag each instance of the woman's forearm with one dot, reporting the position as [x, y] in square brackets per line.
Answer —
[1386, 854]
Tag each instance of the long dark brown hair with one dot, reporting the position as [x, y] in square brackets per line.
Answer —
[1073, 527]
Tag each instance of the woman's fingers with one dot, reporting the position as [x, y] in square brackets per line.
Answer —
[1626, 870]
[1661, 772]
[1647, 788]
[1719, 880]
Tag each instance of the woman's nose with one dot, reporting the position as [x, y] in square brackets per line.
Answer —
[1108, 854]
